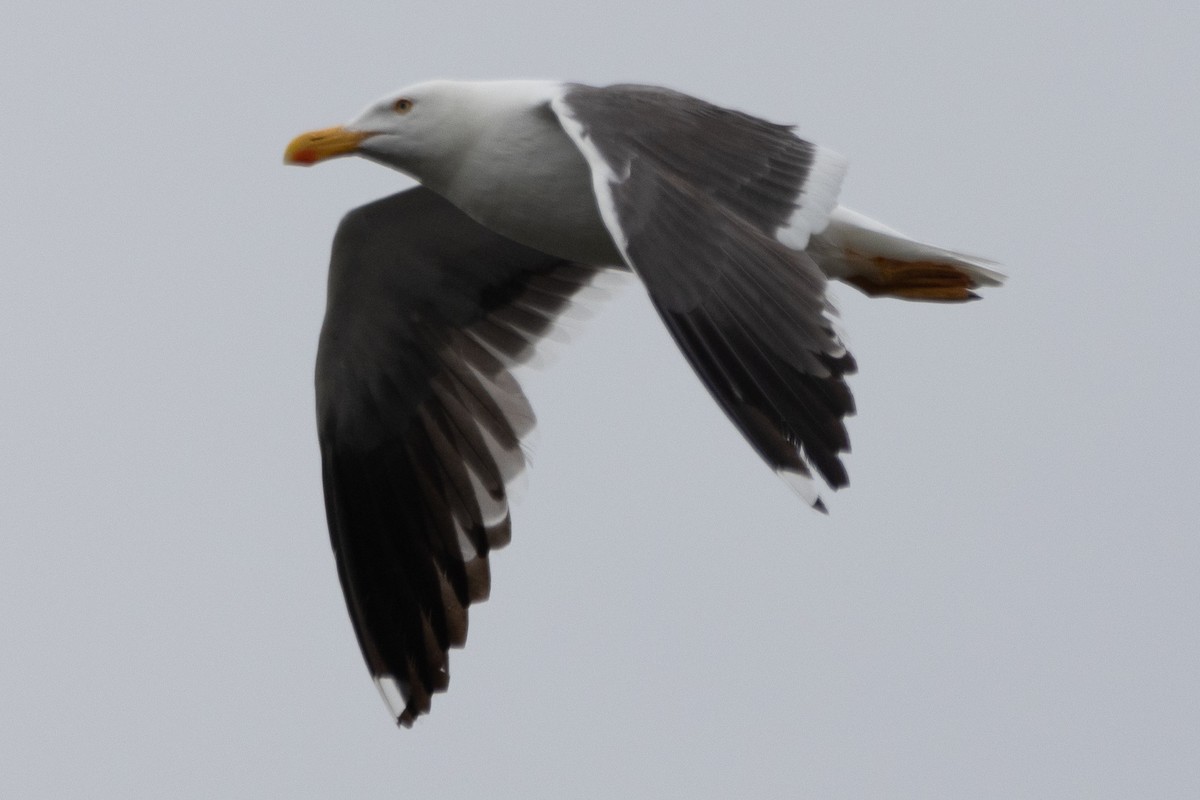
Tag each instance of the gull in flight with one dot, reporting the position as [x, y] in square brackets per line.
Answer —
[529, 190]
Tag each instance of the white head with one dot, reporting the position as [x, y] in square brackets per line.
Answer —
[420, 128]
[404, 130]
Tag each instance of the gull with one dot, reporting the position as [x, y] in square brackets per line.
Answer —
[529, 190]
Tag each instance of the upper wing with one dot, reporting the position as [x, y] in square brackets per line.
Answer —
[419, 421]
[711, 208]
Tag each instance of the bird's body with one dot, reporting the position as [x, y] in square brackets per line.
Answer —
[548, 204]
[531, 188]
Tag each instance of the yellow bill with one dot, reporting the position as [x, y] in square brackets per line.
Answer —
[309, 148]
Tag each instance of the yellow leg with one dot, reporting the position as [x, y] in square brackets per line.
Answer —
[915, 280]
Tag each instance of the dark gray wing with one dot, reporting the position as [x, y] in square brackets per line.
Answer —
[419, 422]
[698, 198]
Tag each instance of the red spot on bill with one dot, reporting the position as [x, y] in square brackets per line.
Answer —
[307, 157]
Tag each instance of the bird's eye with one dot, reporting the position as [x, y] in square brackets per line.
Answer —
[402, 106]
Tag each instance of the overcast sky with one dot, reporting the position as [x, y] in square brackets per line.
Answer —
[1003, 604]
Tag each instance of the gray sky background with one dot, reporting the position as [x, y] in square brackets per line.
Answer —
[1003, 604]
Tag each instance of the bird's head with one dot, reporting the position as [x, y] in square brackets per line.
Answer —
[409, 130]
